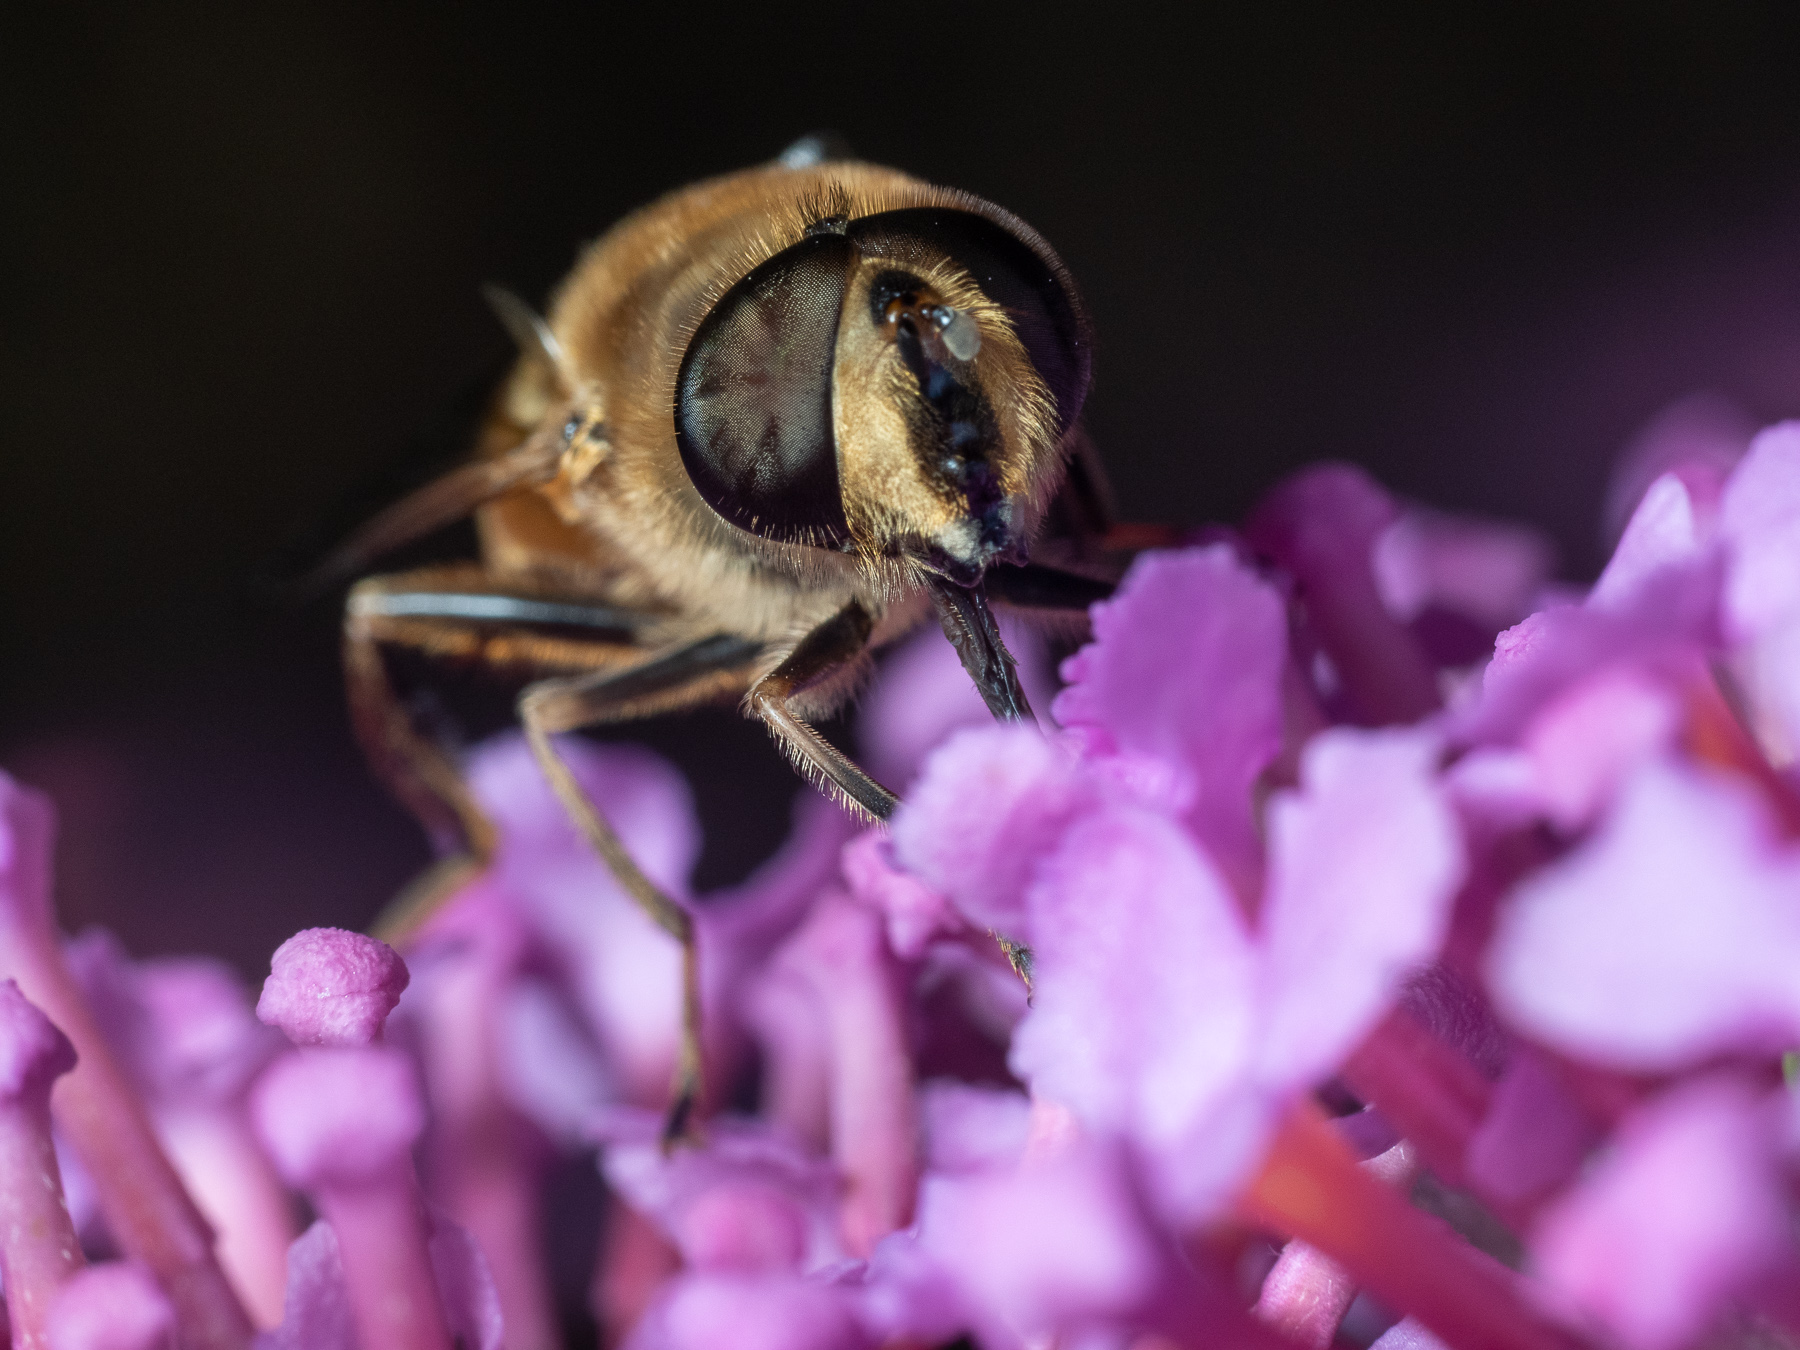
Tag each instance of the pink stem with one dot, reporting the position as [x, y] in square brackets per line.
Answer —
[341, 1124]
[1307, 1294]
[873, 1118]
[796, 1058]
[236, 1188]
[1433, 1096]
[481, 1165]
[146, 1209]
[634, 1261]
[382, 1233]
[1311, 1188]
[38, 1250]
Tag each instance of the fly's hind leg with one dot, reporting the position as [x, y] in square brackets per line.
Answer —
[457, 614]
[712, 668]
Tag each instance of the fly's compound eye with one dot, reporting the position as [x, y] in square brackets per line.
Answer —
[753, 400]
[1014, 270]
[753, 397]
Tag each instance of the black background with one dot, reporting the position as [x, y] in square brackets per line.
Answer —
[1472, 251]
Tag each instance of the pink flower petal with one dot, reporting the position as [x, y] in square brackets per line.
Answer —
[922, 696]
[913, 912]
[1495, 788]
[1490, 572]
[547, 1064]
[966, 1126]
[841, 954]
[208, 1042]
[1760, 519]
[1364, 863]
[465, 1286]
[748, 1200]
[1534, 1135]
[1590, 736]
[317, 1312]
[990, 804]
[1683, 1213]
[1185, 666]
[623, 970]
[1185, 669]
[1142, 1019]
[1667, 626]
[782, 1012]
[1407, 1334]
[745, 1226]
[739, 1312]
[645, 798]
[1664, 532]
[1055, 1246]
[1767, 672]
[1670, 936]
[1321, 525]
[1698, 438]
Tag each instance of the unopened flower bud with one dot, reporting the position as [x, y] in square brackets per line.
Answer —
[327, 986]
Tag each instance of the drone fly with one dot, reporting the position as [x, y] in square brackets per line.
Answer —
[769, 423]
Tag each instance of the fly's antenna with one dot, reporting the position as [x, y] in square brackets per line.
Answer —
[526, 327]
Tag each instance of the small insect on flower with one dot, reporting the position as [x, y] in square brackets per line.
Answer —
[770, 422]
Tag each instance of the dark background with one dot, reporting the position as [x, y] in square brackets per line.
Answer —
[242, 253]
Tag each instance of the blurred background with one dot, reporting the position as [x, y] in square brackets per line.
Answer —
[242, 251]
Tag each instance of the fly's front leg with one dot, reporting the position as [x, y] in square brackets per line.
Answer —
[713, 668]
[828, 648]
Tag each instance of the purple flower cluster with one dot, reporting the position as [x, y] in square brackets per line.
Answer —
[1383, 947]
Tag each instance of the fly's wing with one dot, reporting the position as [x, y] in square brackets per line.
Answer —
[433, 482]
[443, 501]
[1082, 530]
[1083, 509]
[816, 147]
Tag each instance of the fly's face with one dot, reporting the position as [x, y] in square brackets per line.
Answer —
[895, 386]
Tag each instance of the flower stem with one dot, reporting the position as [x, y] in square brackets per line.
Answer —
[1307, 1294]
[1311, 1188]
[1433, 1096]
[381, 1232]
[38, 1250]
[873, 1131]
[148, 1212]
